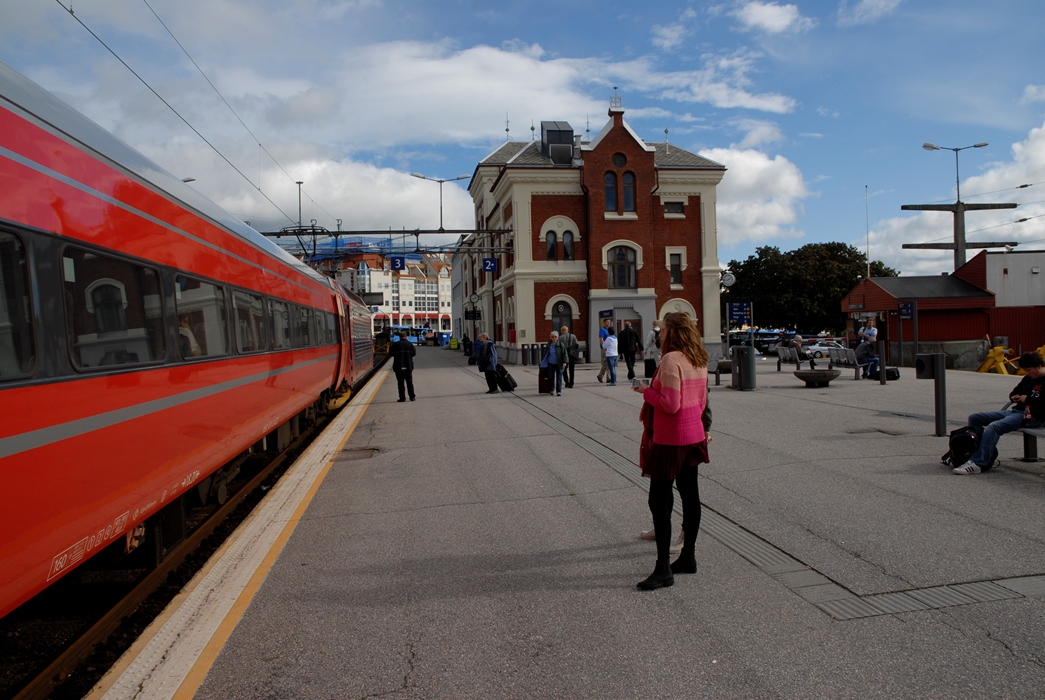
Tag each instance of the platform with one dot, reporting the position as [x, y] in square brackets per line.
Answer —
[485, 546]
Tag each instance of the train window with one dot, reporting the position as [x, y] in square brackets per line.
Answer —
[329, 328]
[16, 329]
[280, 325]
[250, 322]
[201, 318]
[114, 310]
[304, 335]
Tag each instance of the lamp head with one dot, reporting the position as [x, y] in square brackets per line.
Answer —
[930, 147]
[418, 175]
[980, 145]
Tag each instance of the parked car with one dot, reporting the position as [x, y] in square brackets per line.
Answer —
[820, 348]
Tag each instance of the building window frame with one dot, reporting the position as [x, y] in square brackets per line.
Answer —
[609, 188]
[628, 190]
[680, 251]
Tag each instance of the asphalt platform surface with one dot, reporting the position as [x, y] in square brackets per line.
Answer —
[486, 546]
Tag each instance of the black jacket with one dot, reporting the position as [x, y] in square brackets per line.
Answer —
[403, 352]
[628, 340]
[1032, 389]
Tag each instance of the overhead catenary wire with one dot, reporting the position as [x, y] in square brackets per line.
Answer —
[171, 107]
[234, 112]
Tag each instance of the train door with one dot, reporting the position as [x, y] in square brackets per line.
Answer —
[343, 365]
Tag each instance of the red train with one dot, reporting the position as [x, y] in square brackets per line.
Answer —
[147, 339]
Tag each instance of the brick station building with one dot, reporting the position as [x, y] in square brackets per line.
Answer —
[616, 228]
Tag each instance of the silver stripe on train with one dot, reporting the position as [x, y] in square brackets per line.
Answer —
[44, 170]
[81, 426]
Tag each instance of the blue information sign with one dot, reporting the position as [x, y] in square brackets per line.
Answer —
[739, 313]
[906, 310]
[489, 264]
[398, 262]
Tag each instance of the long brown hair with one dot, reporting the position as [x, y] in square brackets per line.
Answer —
[683, 336]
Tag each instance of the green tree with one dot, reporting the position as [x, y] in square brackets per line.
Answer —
[801, 289]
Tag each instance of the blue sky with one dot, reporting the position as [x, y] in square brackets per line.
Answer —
[816, 108]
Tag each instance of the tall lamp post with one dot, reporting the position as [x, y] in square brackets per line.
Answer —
[958, 208]
[440, 181]
[299, 183]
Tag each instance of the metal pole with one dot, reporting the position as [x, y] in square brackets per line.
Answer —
[441, 204]
[940, 382]
[300, 182]
[881, 358]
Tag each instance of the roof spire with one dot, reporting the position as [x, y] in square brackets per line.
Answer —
[507, 128]
[667, 146]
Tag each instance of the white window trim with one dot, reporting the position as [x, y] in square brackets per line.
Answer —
[575, 309]
[101, 283]
[621, 241]
[625, 216]
[559, 225]
[668, 252]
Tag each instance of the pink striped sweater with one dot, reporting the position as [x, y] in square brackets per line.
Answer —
[678, 395]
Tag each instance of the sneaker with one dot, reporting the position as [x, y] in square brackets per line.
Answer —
[650, 534]
[558, 393]
[968, 468]
[600, 379]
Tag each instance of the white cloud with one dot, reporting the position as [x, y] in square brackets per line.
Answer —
[1033, 93]
[669, 37]
[759, 198]
[756, 133]
[864, 11]
[1001, 179]
[771, 18]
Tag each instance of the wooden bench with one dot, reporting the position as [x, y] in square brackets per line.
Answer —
[844, 357]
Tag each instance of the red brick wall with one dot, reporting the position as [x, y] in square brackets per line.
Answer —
[544, 207]
[544, 291]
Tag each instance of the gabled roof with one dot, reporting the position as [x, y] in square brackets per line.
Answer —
[671, 156]
[930, 287]
[504, 153]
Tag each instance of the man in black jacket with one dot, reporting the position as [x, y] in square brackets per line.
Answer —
[403, 365]
[1028, 411]
[628, 344]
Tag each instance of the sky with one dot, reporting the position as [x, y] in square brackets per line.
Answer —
[818, 109]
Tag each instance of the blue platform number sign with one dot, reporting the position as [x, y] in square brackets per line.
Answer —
[398, 262]
[740, 313]
[489, 264]
[906, 310]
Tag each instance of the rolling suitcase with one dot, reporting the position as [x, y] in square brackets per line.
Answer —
[544, 381]
[505, 381]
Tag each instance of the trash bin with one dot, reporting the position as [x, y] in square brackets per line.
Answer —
[743, 361]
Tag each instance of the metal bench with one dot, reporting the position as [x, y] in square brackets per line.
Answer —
[713, 358]
[790, 355]
[1030, 439]
[843, 357]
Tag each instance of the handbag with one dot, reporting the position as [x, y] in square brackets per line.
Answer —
[650, 368]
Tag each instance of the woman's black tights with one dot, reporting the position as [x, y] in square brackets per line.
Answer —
[662, 499]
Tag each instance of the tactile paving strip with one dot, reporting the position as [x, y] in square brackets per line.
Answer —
[807, 583]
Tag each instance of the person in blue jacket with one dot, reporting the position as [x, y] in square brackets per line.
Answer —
[486, 351]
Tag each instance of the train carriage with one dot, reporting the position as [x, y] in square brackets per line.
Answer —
[147, 338]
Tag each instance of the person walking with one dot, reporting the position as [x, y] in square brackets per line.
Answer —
[467, 343]
[604, 332]
[554, 360]
[676, 421]
[573, 353]
[403, 353]
[651, 350]
[609, 346]
[628, 345]
[487, 354]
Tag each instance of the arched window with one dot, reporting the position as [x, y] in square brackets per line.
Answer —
[611, 191]
[562, 315]
[551, 252]
[629, 191]
[621, 267]
[567, 245]
[108, 308]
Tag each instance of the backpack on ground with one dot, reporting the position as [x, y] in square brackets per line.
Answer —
[962, 443]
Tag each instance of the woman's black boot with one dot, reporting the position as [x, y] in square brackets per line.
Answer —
[660, 578]
[686, 563]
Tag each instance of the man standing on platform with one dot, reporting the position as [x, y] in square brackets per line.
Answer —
[628, 345]
[573, 353]
[488, 361]
[403, 365]
[604, 332]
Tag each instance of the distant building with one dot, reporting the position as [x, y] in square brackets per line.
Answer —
[616, 228]
[995, 298]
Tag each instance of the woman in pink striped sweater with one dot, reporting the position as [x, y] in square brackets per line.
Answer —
[676, 419]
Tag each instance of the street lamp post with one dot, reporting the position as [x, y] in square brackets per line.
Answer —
[958, 209]
[299, 183]
[440, 181]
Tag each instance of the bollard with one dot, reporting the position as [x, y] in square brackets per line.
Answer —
[933, 365]
[525, 352]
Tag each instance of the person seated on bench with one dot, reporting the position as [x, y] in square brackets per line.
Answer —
[1028, 411]
[866, 358]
